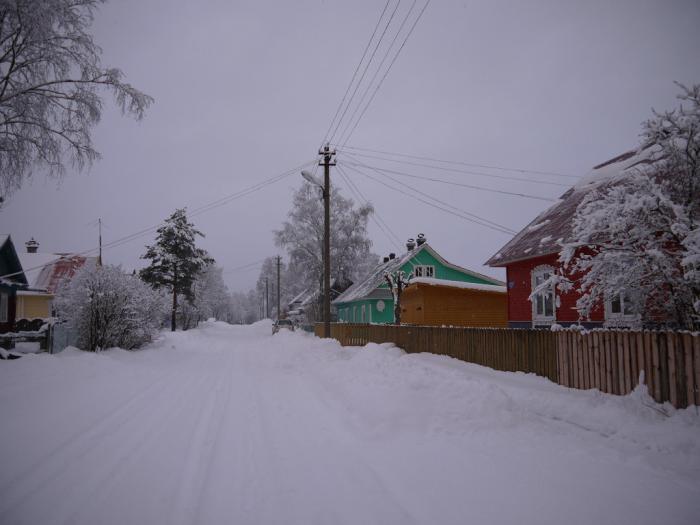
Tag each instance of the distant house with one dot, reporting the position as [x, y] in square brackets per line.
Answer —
[45, 273]
[306, 306]
[532, 256]
[439, 302]
[371, 301]
[12, 279]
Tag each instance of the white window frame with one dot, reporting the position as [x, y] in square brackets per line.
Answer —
[4, 307]
[364, 314]
[422, 270]
[538, 273]
[620, 318]
[354, 314]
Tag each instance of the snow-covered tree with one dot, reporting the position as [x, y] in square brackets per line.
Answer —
[109, 308]
[244, 308]
[636, 237]
[268, 272]
[210, 298]
[175, 260]
[396, 281]
[50, 79]
[302, 236]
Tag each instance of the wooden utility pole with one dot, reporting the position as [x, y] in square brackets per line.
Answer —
[327, 162]
[99, 258]
[279, 261]
[267, 300]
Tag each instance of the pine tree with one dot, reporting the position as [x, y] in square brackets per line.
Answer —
[175, 259]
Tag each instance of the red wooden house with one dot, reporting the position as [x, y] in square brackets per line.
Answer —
[532, 256]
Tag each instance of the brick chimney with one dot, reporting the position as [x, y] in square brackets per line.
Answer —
[32, 245]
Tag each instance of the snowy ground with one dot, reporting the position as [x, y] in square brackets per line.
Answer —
[232, 425]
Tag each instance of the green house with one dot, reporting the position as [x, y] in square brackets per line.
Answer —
[371, 301]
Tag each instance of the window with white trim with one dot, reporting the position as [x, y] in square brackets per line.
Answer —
[4, 307]
[619, 309]
[543, 303]
[423, 270]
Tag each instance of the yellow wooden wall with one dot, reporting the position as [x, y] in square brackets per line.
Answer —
[33, 306]
[430, 305]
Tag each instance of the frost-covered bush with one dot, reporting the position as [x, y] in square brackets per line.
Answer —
[109, 308]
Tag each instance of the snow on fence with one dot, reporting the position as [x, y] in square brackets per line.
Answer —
[608, 360]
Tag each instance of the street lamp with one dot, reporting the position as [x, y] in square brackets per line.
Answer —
[325, 186]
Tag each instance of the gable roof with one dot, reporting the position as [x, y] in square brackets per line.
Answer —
[545, 234]
[375, 279]
[11, 267]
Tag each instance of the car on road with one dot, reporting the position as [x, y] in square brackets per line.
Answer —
[282, 324]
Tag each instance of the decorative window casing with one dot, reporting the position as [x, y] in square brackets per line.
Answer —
[364, 318]
[620, 311]
[544, 308]
[423, 270]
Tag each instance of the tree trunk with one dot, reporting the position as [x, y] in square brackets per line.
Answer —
[173, 313]
[397, 306]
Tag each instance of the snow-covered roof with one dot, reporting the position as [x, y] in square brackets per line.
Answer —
[375, 279]
[46, 271]
[34, 263]
[458, 284]
[544, 235]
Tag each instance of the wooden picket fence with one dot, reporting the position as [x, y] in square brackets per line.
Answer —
[609, 360]
[612, 361]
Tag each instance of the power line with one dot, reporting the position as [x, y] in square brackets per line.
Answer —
[363, 198]
[446, 204]
[459, 213]
[379, 68]
[410, 32]
[202, 209]
[364, 71]
[248, 266]
[455, 170]
[354, 75]
[454, 162]
[346, 178]
[452, 183]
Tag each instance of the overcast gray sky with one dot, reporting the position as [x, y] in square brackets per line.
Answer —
[246, 90]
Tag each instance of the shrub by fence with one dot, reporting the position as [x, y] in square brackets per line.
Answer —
[608, 360]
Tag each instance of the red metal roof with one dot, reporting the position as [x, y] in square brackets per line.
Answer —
[53, 274]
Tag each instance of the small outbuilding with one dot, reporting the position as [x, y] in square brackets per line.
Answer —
[439, 302]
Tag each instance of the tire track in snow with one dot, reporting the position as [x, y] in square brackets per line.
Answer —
[201, 448]
[127, 454]
[59, 459]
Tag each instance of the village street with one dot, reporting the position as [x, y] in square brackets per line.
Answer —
[228, 424]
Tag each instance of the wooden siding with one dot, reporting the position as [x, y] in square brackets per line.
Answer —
[519, 282]
[607, 360]
[433, 305]
[33, 306]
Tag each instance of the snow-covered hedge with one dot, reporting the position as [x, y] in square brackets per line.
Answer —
[109, 308]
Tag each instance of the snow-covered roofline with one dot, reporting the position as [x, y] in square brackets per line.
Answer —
[458, 284]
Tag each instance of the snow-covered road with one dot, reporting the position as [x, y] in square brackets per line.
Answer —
[231, 425]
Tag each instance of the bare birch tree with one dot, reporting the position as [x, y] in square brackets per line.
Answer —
[50, 84]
